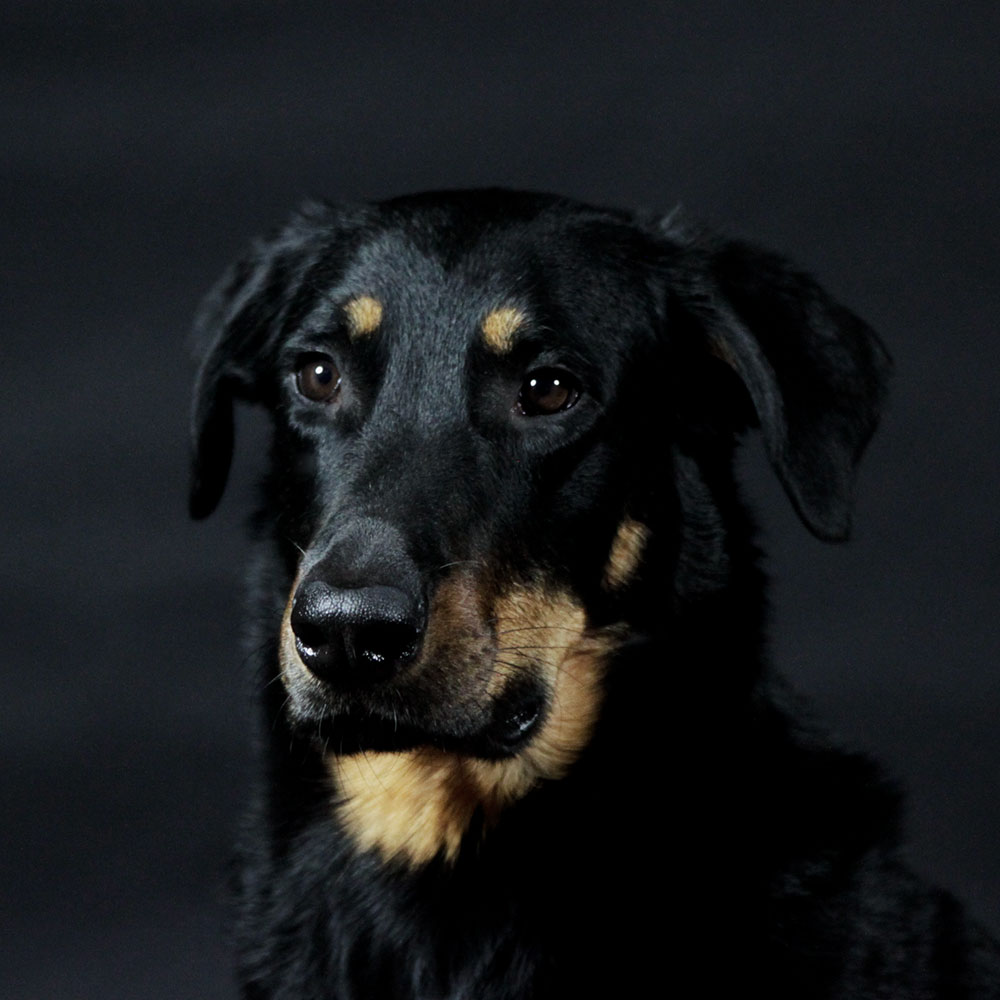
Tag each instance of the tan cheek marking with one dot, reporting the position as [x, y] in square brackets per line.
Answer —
[415, 805]
[458, 633]
[626, 553]
[288, 657]
[364, 314]
[500, 326]
[293, 670]
[547, 632]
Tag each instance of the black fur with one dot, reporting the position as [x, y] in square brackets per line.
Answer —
[704, 842]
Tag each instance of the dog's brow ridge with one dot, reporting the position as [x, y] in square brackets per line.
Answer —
[364, 314]
[500, 326]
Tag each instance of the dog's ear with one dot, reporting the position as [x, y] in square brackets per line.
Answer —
[237, 321]
[816, 374]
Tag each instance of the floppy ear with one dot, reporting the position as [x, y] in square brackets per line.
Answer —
[816, 373]
[236, 323]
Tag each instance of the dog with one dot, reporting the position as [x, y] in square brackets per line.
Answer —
[518, 737]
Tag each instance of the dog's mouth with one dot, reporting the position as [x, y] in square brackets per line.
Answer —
[504, 696]
[482, 685]
[515, 676]
[513, 721]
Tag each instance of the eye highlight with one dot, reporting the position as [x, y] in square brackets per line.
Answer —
[317, 377]
[545, 391]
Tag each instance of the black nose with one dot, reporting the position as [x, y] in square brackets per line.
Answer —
[356, 636]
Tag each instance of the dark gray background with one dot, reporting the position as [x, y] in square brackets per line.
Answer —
[144, 143]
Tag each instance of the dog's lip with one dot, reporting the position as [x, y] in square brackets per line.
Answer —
[349, 733]
[515, 723]
[353, 733]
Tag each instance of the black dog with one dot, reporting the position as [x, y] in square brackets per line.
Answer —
[518, 738]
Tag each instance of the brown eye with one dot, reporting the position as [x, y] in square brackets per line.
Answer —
[317, 378]
[546, 391]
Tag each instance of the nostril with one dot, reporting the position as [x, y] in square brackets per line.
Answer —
[309, 635]
[311, 617]
[385, 643]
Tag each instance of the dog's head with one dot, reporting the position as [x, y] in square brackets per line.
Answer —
[501, 420]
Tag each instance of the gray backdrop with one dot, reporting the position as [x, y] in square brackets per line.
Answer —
[145, 142]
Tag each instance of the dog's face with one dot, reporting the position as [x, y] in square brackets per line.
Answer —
[479, 402]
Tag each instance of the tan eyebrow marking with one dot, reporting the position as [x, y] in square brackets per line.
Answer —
[500, 326]
[364, 314]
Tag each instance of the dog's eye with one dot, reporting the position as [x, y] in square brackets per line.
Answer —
[317, 378]
[546, 391]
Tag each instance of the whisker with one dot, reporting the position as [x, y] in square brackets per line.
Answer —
[535, 628]
[459, 562]
[515, 649]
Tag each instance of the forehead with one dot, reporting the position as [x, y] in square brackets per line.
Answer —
[497, 276]
[412, 275]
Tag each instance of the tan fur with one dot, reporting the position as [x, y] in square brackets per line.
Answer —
[293, 670]
[288, 657]
[626, 553]
[364, 314]
[500, 326]
[458, 641]
[417, 804]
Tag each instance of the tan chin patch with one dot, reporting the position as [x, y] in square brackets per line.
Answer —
[626, 553]
[364, 314]
[500, 326]
[419, 804]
